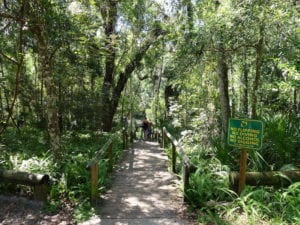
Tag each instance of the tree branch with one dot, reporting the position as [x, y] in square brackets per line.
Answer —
[18, 72]
[134, 63]
[5, 27]
[8, 16]
[142, 77]
[8, 58]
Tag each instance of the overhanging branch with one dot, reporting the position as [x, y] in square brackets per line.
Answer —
[9, 58]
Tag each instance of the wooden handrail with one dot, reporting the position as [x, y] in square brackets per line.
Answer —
[100, 153]
[187, 166]
[93, 165]
[174, 142]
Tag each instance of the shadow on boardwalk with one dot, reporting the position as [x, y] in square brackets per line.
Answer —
[142, 192]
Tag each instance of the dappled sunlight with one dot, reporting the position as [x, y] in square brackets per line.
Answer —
[142, 189]
[134, 201]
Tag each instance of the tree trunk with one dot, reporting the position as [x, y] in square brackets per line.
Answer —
[19, 64]
[109, 15]
[169, 93]
[245, 83]
[111, 87]
[60, 109]
[295, 100]
[51, 103]
[45, 59]
[256, 82]
[190, 17]
[224, 95]
[1, 96]
[271, 178]
[110, 104]
[157, 90]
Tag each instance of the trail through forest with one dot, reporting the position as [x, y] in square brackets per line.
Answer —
[143, 191]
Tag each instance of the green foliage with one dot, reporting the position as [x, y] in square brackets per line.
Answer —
[185, 59]
[209, 183]
[83, 210]
[70, 178]
[31, 140]
[281, 140]
[277, 206]
[209, 194]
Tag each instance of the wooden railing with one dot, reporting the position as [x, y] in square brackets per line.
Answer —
[187, 166]
[93, 165]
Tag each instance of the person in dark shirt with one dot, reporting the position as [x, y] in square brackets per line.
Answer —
[149, 130]
[145, 126]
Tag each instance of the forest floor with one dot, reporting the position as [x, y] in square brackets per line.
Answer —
[22, 211]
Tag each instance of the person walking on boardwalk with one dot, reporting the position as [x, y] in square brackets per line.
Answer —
[149, 130]
[145, 126]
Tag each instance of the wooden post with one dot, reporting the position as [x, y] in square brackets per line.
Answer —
[131, 137]
[110, 158]
[173, 158]
[124, 139]
[185, 179]
[94, 181]
[40, 192]
[163, 138]
[243, 168]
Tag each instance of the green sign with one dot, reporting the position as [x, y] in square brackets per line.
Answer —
[244, 133]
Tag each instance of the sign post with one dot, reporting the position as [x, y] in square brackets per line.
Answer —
[244, 134]
[243, 169]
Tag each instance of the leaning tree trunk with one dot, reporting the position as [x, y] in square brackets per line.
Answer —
[109, 14]
[112, 93]
[111, 104]
[224, 95]
[112, 87]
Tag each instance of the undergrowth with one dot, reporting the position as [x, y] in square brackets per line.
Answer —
[27, 150]
[209, 193]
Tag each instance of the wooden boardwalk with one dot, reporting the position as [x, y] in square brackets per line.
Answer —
[143, 191]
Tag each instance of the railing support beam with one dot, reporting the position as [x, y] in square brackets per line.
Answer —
[185, 180]
[110, 158]
[187, 166]
[94, 181]
[173, 158]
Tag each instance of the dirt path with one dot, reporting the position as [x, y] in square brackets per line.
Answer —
[22, 211]
[143, 192]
